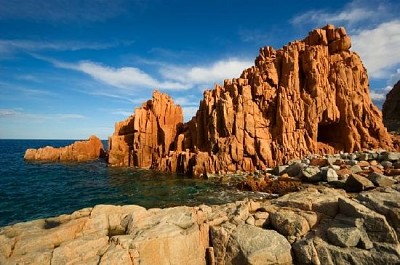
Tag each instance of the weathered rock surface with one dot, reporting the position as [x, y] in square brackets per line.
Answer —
[311, 96]
[90, 149]
[313, 226]
[391, 109]
[145, 138]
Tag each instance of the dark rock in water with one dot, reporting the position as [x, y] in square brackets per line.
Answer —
[391, 109]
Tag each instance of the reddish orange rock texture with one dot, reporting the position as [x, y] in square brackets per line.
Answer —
[146, 137]
[78, 151]
[311, 96]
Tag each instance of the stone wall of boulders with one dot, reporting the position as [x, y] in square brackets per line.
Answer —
[316, 225]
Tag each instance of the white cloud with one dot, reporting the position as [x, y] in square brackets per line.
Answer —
[353, 14]
[122, 113]
[394, 78]
[7, 113]
[189, 100]
[379, 48]
[124, 77]
[14, 113]
[189, 112]
[7, 46]
[348, 15]
[214, 73]
[173, 77]
[377, 96]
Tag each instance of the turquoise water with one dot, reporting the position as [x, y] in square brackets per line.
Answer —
[31, 190]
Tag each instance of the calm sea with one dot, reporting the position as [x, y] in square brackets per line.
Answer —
[31, 190]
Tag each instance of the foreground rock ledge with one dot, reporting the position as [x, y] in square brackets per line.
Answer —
[79, 151]
[309, 97]
[312, 226]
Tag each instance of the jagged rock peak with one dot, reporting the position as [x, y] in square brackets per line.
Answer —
[146, 136]
[391, 109]
[311, 96]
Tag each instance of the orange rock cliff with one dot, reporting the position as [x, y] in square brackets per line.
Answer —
[311, 96]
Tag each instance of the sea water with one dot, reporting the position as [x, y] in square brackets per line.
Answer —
[31, 190]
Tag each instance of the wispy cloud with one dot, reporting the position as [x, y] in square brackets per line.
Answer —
[352, 15]
[376, 96]
[124, 77]
[65, 11]
[395, 77]
[322, 17]
[189, 112]
[7, 46]
[18, 114]
[173, 77]
[8, 113]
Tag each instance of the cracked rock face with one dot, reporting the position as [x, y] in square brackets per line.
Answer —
[311, 96]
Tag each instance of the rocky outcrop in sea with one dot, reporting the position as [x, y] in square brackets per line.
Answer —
[309, 97]
[79, 151]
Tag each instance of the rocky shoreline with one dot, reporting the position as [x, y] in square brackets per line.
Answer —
[316, 222]
[317, 225]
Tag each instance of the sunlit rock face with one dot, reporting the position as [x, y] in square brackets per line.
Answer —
[311, 96]
[79, 151]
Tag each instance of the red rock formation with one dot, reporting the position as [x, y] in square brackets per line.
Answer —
[311, 96]
[78, 151]
[148, 135]
[391, 109]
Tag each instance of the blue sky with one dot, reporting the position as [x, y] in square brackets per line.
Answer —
[72, 68]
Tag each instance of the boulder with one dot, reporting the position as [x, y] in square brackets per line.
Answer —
[311, 174]
[381, 180]
[357, 183]
[252, 245]
[343, 236]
